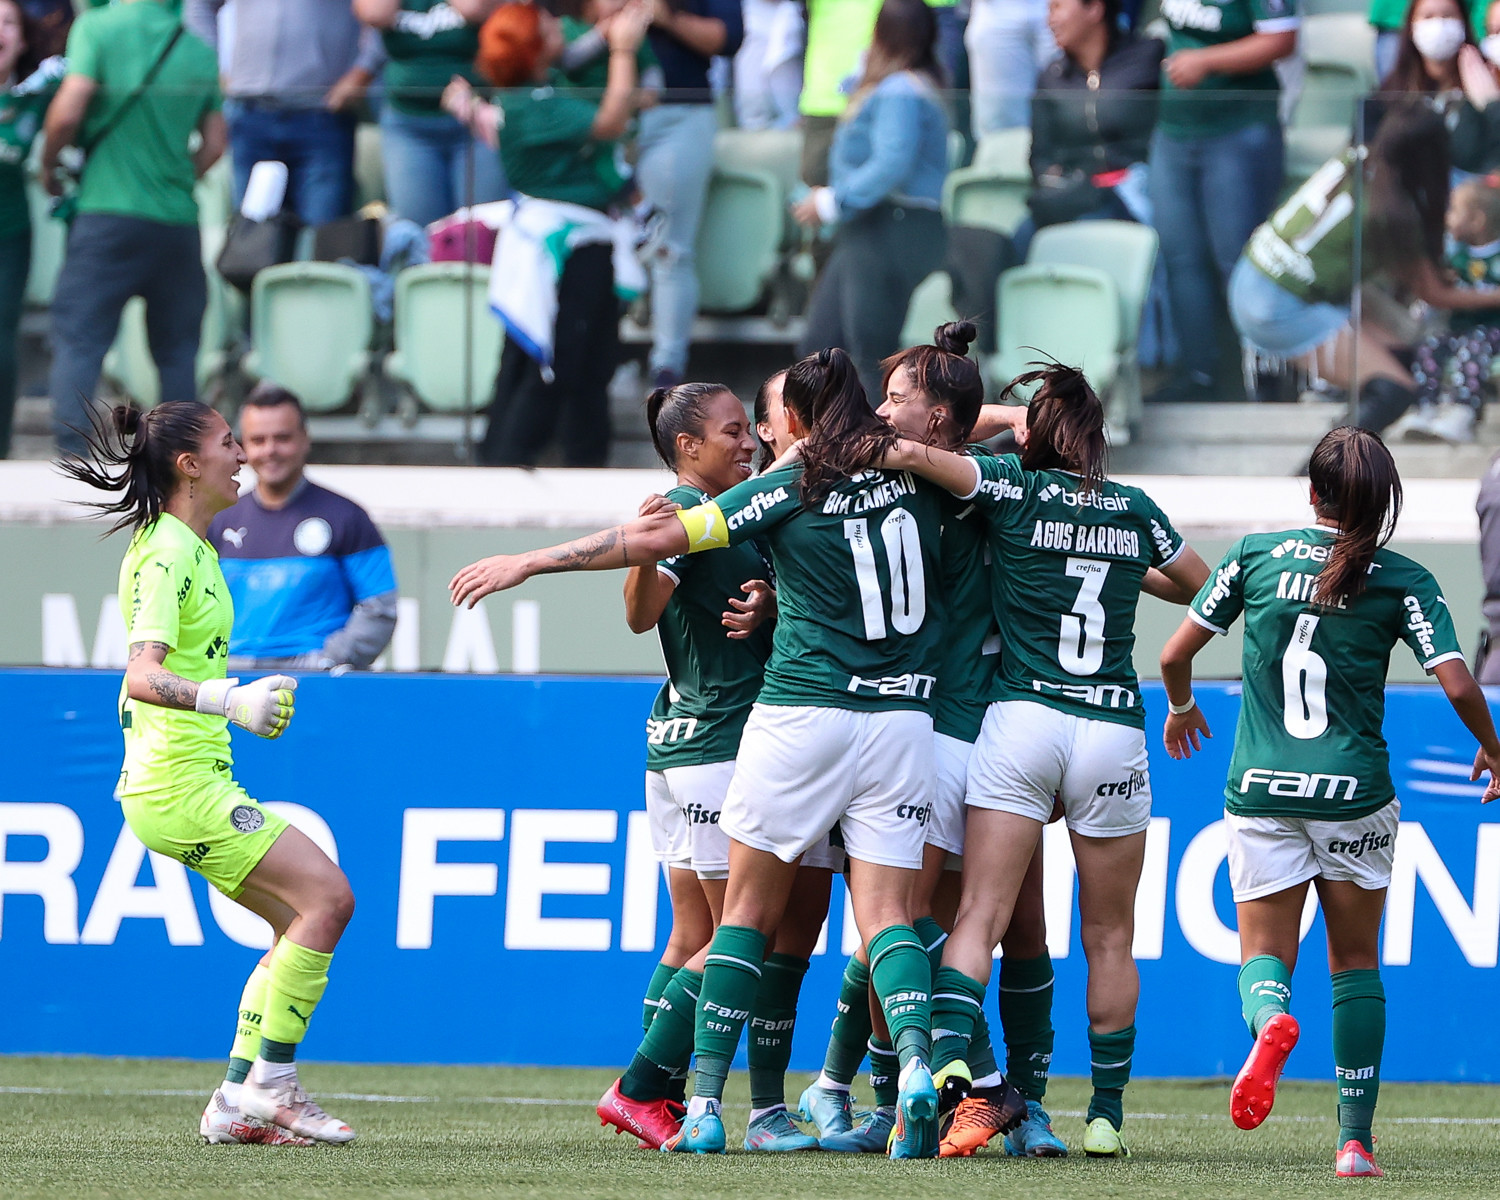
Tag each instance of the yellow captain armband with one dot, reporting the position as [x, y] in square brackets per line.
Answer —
[706, 527]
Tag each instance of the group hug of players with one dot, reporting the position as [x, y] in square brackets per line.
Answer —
[891, 653]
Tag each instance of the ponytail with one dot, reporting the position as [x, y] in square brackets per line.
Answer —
[677, 410]
[1065, 424]
[945, 375]
[135, 454]
[844, 434]
[1358, 487]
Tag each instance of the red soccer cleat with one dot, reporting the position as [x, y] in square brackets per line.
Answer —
[652, 1121]
[1355, 1162]
[1254, 1089]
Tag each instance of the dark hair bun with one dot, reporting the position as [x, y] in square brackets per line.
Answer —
[127, 419]
[955, 337]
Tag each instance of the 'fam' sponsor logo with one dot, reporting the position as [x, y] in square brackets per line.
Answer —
[1298, 784]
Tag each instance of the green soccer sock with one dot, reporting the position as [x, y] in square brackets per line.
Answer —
[851, 1025]
[1358, 1040]
[1025, 990]
[1109, 1056]
[957, 1004]
[731, 977]
[772, 1021]
[1265, 991]
[667, 1048]
[981, 1058]
[902, 979]
[247, 1029]
[296, 982]
[885, 1073]
[654, 989]
[933, 936]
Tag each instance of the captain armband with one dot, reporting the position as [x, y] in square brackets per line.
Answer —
[706, 527]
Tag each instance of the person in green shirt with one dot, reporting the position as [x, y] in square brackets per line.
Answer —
[136, 229]
[1071, 552]
[29, 86]
[433, 165]
[1309, 797]
[172, 470]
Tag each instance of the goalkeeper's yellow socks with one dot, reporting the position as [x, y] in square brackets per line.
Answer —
[297, 980]
[246, 1032]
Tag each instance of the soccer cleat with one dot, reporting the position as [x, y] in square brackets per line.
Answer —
[774, 1131]
[703, 1134]
[915, 1132]
[1102, 1140]
[828, 1109]
[979, 1117]
[223, 1124]
[953, 1082]
[1254, 1090]
[283, 1102]
[1033, 1137]
[1355, 1162]
[653, 1121]
[871, 1136]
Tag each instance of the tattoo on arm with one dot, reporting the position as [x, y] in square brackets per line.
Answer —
[174, 691]
[577, 555]
[139, 648]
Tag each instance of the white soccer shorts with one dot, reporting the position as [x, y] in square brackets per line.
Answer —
[802, 769]
[1270, 854]
[945, 827]
[669, 832]
[1027, 753]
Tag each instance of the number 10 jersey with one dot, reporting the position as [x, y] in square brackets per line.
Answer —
[1309, 742]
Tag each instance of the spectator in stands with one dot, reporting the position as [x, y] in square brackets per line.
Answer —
[560, 143]
[48, 22]
[585, 57]
[674, 159]
[1291, 290]
[887, 166]
[1437, 57]
[136, 232]
[30, 83]
[1217, 163]
[1091, 120]
[1487, 669]
[433, 165]
[838, 34]
[768, 67]
[1009, 42]
[297, 70]
[310, 575]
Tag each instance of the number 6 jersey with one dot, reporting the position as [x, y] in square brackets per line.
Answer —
[1309, 742]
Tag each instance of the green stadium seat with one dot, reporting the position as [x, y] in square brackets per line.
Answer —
[310, 328]
[1060, 311]
[739, 240]
[440, 307]
[369, 170]
[778, 152]
[1338, 54]
[975, 196]
[48, 239]
[1006, 152]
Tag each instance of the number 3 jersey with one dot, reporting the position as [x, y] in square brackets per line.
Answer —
[1067, 573]
[1309, 742]
[859, 622]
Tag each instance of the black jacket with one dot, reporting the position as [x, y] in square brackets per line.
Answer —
[1101, 122]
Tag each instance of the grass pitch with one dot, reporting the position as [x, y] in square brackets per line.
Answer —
[77, 1127]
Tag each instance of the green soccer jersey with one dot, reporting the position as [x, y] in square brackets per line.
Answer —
[860, 612]
[1309, 742]
[971, 647]
[1067, 573]
[430, 43]
[1221, 103]
[1477, 267]
[172, 591]
[1307, 247]
[21, 112]
[712, 679]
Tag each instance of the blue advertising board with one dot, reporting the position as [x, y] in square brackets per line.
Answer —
[493, 833]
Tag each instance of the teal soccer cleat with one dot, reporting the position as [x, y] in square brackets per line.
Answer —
[700, 1134]
[915, 1134]
[774, 1131]
[828, 1109]
[871, 1136]
[1033, 1137]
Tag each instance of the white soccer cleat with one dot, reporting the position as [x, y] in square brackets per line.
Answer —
[283, 1102]
[222, 1124]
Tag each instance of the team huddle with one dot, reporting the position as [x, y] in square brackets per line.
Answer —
[895, 654]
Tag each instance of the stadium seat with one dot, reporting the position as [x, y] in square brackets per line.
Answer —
[778, 152]
[1060, 311]
[739, 240]
[310, 329]
[48, 239]
[1006, 152]
[439, 307]
[130, 369]
[1126, 251]
[215, 196]
[931, 305]
[369, 170]
[1338, 53]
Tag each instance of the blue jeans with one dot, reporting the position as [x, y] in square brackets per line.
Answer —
[1209, 194]
[316, 145]
[675, 162]
[1009, 43]
[428, 161]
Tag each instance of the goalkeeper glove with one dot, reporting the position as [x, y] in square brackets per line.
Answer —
[264, 707]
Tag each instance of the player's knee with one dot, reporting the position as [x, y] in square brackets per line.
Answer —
[338, 903]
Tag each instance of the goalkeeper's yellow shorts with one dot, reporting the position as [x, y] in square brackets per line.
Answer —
[210, 824]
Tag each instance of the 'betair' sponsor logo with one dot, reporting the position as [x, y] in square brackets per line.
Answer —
[1298, 784]
[760, 504]
[1418, 623]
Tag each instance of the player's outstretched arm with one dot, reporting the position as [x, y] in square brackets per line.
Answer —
[648, 590]
[1469, 703]
[957, 473]
[1177, 582]
[1183, 729]
[995, 419]
[644, 540]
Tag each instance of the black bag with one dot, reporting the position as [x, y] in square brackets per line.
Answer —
[254, 245]
[1057, 199]
[976, 259]
[356, 239]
